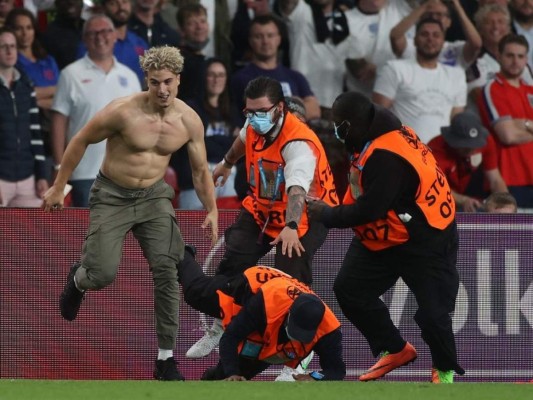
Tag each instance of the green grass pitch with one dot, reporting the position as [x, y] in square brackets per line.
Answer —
[196, 390]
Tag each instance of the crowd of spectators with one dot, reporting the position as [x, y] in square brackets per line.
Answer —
[426, 60]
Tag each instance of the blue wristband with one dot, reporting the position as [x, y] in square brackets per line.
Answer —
[317, 376]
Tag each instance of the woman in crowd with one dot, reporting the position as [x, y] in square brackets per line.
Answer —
[41, 68]
[220, 120]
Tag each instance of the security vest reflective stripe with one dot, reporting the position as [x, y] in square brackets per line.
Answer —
[265, 166]
[434, 197]
[278, 295]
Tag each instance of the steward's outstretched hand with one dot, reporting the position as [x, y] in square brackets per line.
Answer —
[315, 208]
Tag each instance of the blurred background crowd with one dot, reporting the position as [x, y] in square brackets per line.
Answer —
[456, 71]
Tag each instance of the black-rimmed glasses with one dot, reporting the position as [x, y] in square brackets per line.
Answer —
[258, 113]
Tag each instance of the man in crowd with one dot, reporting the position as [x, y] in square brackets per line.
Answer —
[370, 22]
[129, 45]
[320, 43]
[506, 109]
[423, 93]
[522, 13]
[5, 7]
[265, 39]
[458, 53]
[464, 150]
[194, 27]
[63, 35]
[148, 24]
[493, 22]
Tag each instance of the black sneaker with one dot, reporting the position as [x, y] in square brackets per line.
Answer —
[71, 298]
[165, 370]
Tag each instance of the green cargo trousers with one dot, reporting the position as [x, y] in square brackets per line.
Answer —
[148, 213]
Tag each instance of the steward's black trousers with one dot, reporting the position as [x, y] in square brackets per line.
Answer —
[200, 290]
[432, 277]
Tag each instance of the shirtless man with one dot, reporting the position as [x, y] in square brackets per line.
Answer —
[142, 131]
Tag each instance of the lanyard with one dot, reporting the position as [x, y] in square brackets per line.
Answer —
[277, 184]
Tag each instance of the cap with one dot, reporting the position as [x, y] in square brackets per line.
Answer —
[465, 131]
[305, 316]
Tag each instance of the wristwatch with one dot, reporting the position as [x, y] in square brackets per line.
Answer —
[527, 124]
[292, 225]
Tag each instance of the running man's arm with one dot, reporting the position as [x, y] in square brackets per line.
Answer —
[103, 125]
[58, 130]
[201, 176]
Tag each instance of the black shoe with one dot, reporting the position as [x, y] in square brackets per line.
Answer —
[165, 370]
[71, 298]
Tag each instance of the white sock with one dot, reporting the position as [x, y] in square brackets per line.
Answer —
[164, 354]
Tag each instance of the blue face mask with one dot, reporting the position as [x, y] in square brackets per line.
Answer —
[262, 124]
[261, 121]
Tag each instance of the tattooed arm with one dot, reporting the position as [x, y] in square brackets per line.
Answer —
[299, 176]
[289, 235]
[295, 205]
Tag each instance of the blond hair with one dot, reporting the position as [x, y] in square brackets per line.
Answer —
[483, 12]
[159, 58]
[499, 200]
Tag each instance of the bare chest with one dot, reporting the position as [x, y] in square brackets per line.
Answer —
[161, 137]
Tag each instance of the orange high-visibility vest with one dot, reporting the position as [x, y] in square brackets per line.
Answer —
[279, 294]
[259, 275]
[434, 196]
[256, 277]
[265, 175]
